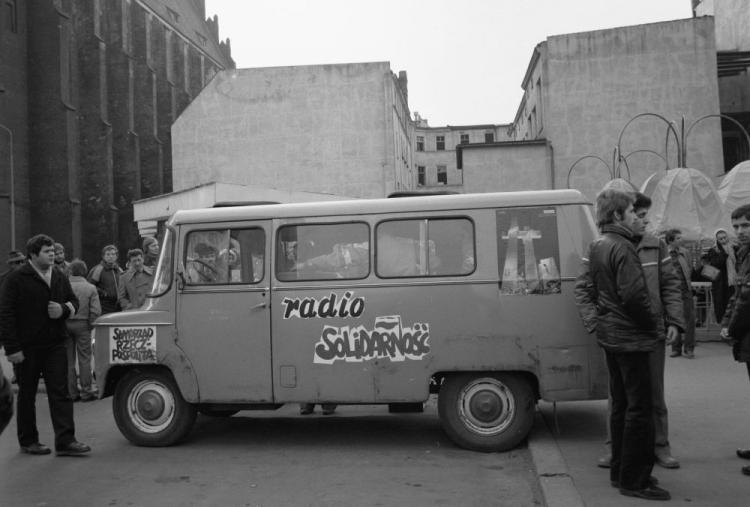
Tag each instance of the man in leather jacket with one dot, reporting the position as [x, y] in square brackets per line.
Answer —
[736, 323]
[626, 328]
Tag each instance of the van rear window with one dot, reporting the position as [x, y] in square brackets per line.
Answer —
[323, 252]
[425, 247]
[528, 251]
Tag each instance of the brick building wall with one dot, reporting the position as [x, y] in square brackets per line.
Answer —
[102, 81]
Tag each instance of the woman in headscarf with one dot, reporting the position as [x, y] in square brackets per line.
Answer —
[721, 256]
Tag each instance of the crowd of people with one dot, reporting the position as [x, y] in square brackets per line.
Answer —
[47, 309]
[634, 292]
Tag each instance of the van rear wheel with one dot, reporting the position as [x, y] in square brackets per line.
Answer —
[149, 409]
[486, 412]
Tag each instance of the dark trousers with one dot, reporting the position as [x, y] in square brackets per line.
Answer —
[686, 340]
[52, 363]
[631, 421]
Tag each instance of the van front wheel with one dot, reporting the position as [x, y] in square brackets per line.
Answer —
[149, 409]
[486, 412]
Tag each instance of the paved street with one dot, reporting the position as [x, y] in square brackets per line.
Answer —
[361, 456]
[709, 408]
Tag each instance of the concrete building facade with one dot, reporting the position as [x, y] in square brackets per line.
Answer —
[581, 90]
[91, 90]
[333, 129]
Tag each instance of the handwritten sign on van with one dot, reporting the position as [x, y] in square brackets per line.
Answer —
[132, 344]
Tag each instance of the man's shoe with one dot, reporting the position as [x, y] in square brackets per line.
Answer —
[675, 353]
[743, 453]
[36, 448]
[649, 493]
[746, 470]
[689, 354]
[73, 449]
[652, 481]
[605, 461]
[664, 459]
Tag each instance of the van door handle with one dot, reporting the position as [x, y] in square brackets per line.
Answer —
[259, 305]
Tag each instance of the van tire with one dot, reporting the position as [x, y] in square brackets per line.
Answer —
[486, 412]
[149, 409]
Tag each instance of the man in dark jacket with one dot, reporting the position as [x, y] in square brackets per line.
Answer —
[105, 276]
[666, 305]
[736, 323]
[626, 328]
[35, 301]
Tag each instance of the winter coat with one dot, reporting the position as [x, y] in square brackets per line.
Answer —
[106, 279]
[661, 280]
[133, 288]
[737, 317]
[24, 321]
[616, 287]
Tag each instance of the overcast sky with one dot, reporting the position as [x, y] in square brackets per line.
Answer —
[465, 59]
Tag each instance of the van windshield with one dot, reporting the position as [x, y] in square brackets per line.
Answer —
[163, 276]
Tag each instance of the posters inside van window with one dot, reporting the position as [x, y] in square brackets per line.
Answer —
[528, 252]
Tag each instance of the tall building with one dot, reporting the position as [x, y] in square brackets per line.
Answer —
[89, 90]
[732, 19]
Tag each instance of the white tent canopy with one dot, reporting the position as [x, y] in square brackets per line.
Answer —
[686, 199]
[734, 189]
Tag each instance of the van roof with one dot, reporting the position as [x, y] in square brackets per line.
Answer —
[377, 206]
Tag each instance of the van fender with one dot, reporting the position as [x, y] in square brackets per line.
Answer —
[183, 373]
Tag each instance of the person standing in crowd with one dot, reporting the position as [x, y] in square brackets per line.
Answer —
[722, 257]
[15, 260]
[736, 323]
[666, 305]
[685, 342]
[150, 252]
[136, 282]
[60, 262]
[105, 276]
[626, 328]
[34, 304]
[79, 333]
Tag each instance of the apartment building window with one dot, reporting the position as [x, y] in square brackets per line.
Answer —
[489, 137]
[420, 143]
[464, 138]
[442, 175]
[202, 38]
[533, 122]
[421, 177]
[440, 143]
[12, 15]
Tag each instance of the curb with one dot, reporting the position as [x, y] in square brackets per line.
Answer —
[552, 472]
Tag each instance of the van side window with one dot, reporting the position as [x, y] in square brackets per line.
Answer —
[528, 251]
[323, 252]
[224, 256]
[426, 247]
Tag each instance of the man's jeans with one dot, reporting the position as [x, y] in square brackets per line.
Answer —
[631, 421]
[79, 344]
